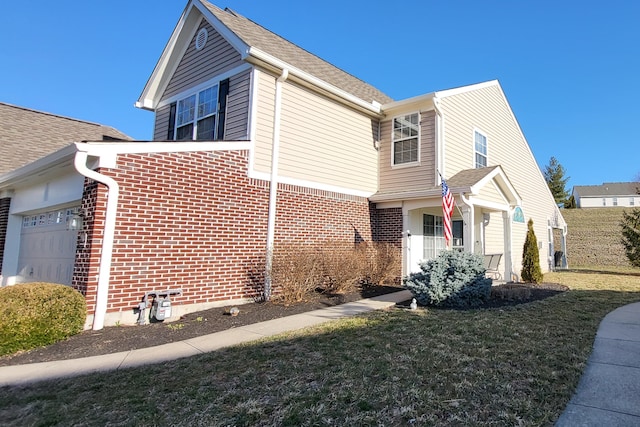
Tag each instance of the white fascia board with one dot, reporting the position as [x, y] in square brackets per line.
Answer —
[464, 89]
[149, 93]
[414, 102]
[177, 46]
[500, 178]
[261, 56]
[107, 149]
[408, 195]
[236, 42]
[38, 167]
[478, 202]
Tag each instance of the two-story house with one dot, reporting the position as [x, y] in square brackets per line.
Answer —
[609, 194]
[258, 142]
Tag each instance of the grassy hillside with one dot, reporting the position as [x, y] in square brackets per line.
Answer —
[594, 237]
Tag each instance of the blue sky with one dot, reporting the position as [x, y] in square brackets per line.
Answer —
[570, 69]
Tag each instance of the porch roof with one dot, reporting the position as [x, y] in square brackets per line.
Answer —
[468, 182]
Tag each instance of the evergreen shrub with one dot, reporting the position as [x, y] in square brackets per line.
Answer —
[631, 235]
[37, 314]
[453, 279]
[531, 272]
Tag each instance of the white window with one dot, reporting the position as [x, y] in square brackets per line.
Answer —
[480, 148]
[631, 201]
[433, 232]
[604, 201]
[196, 115]
[405, 139]
[615, 201]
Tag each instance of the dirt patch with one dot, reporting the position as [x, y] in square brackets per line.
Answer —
[125, 338]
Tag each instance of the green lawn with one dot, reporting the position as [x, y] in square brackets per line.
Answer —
[510, 366]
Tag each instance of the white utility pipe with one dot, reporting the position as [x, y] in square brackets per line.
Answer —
[273, 186]
[104, 272]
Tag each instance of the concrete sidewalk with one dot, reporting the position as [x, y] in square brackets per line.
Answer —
[25, 374]
[609, 391]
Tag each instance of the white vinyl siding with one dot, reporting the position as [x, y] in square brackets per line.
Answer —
[415, 177]
[486, 109]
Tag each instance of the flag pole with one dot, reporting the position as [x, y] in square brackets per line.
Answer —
[454, 200]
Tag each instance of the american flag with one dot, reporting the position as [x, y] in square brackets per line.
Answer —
[447, 210]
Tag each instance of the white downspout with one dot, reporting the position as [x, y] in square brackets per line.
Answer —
[273, 186]
[104, 272]
[439, 145]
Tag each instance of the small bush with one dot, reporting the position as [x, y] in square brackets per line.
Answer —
[531, 272]
[453, 279]
[340, 266]
[38, 314]
[380, 263]
[295, 273]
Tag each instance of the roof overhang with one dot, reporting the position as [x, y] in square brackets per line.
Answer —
[185, 30]
[468, 183]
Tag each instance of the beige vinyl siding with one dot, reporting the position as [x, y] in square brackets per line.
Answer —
[198, 66]
[485, 109]
[161, 126]
[324, 142]
[491, 193]
[264, 121]
[237, 119]
[416, 177]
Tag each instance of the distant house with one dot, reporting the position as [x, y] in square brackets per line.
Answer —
[258, 142]
[609, 194]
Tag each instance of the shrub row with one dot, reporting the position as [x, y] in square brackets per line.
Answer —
[37, 314]
[333, 267]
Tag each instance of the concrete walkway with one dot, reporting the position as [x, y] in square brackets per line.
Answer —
[34, 372]
[609, 391]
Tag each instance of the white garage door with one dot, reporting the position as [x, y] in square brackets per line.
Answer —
[48, 247]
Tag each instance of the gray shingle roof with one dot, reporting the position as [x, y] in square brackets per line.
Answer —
[259, 37]
[469, 177]
[27, 135]
[608, 189]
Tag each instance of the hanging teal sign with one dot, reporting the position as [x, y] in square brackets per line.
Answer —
[518, 216]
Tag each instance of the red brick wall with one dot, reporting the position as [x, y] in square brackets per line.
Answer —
[195, 221]
[388, 226]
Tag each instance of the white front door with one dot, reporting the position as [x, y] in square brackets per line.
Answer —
[47, 247]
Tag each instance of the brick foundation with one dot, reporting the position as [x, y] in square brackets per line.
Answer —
[197, 222]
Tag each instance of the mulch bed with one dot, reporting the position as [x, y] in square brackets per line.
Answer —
[116, 339]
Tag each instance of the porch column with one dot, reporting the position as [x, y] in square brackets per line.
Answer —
[468, 216]
[508, 262]
[406, 242]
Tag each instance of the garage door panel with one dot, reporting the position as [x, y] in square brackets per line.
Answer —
[47, 247]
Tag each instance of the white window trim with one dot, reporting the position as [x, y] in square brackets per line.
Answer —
[473, 142]
[408, 164]
[196, 119]
[194, 89]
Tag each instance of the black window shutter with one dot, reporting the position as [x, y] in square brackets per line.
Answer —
[222, 108]
[172, 122]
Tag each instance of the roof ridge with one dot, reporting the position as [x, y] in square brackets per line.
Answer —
[240, 16]
[50, 114]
